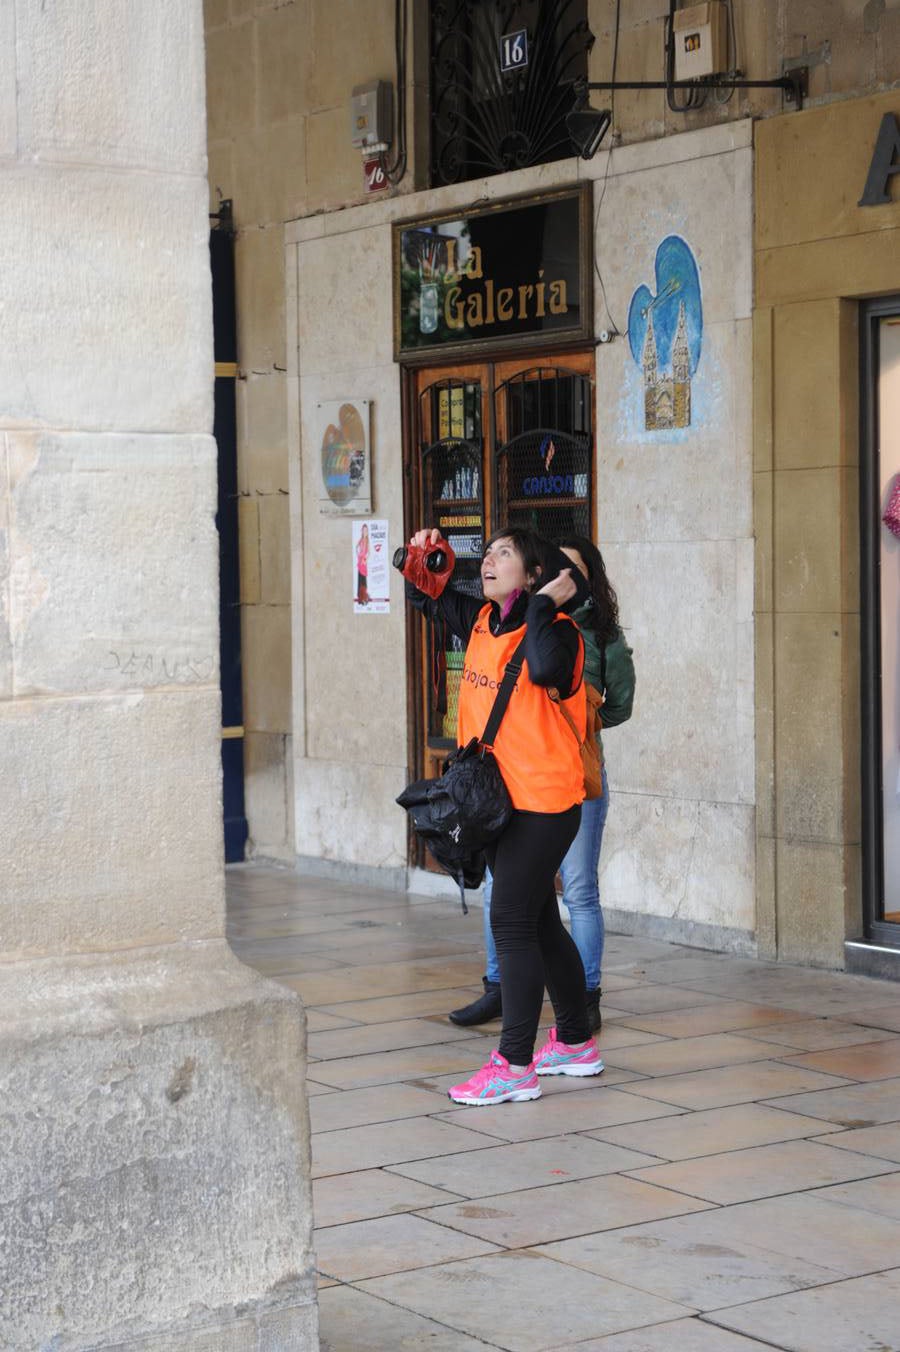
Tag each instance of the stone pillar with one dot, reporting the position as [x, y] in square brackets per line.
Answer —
[153, 1128]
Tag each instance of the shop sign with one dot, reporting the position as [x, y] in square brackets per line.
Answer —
[885, 162]
[510, 275]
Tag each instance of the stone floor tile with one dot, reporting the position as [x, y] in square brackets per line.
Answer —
[685, 1335]
[317, 1022]
[380, 1103]
[293, 965]
[806, 1228]
[344, 1311]
[614, 1035]
[526, 1164]
[618, 981]
[815, 1035]
[401, 949]
[714, 1131]
[725, 1016]
[402, 978]
[557, 1113]
[541, 1215]
[857, 1105]
[337, 1152]
[866, 1061]
[733, 1084]
[370, 1193]
[885, 1016]
[455, 1059]
[387, 1009]
[674, 968]
[762, 1171]
[847, 1317]
[882, 1141]
[315, 1090]
[654, 999]
[362, 1040]
[675, 1056]
[583, 1306]
[677, 1259]
[390, 1244]
[881, 1195]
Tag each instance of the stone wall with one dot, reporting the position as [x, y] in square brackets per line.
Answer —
[152, 1087]
[280, 74]
[675, 523]
[816, 252]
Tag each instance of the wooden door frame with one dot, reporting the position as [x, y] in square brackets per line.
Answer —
[497, 368]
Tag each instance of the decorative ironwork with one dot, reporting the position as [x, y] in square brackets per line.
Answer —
[544, 467]
[484, 121]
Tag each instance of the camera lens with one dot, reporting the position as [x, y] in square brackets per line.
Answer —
[436, 561]
[399, 559]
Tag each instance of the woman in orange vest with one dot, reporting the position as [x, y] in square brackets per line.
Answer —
[540, 761]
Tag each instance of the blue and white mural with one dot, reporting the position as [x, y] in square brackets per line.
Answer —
[665, 332]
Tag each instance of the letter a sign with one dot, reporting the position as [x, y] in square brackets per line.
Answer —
[885, 162]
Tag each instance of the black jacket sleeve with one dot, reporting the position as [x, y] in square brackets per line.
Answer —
[551, 647]
[458, 609]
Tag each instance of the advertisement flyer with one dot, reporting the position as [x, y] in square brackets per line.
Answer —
[371, 568]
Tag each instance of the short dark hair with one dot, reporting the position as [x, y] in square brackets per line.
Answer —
[528, 545]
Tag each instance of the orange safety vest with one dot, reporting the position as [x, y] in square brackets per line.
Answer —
[536, 749]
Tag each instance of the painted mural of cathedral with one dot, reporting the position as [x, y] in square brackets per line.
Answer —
[667, 397]
[665, 333]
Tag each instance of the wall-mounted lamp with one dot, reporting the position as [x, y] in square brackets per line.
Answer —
[586, 126]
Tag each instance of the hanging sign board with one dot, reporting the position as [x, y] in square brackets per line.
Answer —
[514, 274]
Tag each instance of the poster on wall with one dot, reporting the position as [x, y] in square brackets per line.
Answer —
[345, 457]
[371, 568]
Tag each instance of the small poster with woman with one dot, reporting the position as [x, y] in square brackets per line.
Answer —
[371, 576]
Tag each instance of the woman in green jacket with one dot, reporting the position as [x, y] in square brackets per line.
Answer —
[608, 667]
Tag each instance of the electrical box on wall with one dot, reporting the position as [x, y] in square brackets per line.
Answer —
[701, 40]
[371, 115]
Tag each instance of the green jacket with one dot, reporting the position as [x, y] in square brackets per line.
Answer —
[618, 686]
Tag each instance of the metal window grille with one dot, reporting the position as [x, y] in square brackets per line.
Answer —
[485, 121]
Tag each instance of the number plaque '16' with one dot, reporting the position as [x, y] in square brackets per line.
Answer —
[514, 51]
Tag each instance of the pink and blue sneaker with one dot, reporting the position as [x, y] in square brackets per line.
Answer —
[561, 1058]
[495, 1083]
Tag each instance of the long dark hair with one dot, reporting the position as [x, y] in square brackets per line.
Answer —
[606, 603]
[528, 545]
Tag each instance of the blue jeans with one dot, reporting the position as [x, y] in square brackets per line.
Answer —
[581, 893]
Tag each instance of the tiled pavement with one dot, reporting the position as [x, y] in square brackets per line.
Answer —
[731, 1182]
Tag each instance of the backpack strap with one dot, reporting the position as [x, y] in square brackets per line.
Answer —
[507, 685]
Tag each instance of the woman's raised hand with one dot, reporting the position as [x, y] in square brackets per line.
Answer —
[423, 538]
[560, 589]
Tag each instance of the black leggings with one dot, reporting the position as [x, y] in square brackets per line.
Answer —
[533, 946]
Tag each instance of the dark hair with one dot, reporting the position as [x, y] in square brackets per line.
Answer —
[606, 603]
[528, 545]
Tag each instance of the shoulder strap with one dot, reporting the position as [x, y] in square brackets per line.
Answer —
[554, 695]
[603, 666]
[510, 676]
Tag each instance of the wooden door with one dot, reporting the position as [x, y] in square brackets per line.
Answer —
[480, 439]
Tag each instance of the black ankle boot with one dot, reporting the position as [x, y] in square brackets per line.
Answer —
[482, 1010]
[595, 1019]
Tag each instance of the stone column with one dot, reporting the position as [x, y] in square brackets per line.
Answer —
[153, 1127]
